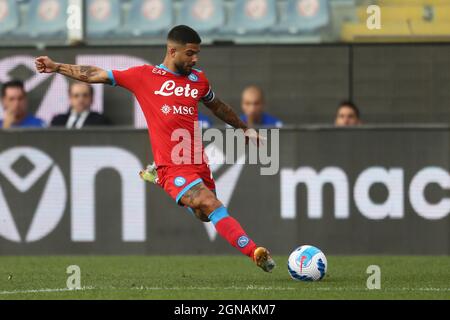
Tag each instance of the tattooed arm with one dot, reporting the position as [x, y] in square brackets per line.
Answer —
[224, 112]
[88, 74]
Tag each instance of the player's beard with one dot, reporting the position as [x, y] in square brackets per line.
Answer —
[182, 70]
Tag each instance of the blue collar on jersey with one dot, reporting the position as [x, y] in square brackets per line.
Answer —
[161, 66]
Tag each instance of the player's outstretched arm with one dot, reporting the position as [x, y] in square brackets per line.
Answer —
[88, 74]
[224, 112]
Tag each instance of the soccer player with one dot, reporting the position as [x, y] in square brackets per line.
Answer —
[168, 95]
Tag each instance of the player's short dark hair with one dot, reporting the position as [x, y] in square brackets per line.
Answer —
[74, 82]
[351, 105]
[12, 84]
[183, 34]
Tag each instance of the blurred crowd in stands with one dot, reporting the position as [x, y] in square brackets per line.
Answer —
[240, 21]
[125, 22]
[16, 115]
[79, 115]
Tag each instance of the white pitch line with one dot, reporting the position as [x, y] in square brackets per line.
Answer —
[376, 290]
[44, 290]
[248, 288]
[418, 289]
[251, 288]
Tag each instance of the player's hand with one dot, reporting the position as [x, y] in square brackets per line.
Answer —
[45, 65]
[253, 136]
[9, 118]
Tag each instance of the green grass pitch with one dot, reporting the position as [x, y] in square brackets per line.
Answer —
[219, 277]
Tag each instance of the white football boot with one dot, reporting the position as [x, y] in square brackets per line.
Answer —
[149, 174]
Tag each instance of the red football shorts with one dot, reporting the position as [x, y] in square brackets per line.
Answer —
[176, 180]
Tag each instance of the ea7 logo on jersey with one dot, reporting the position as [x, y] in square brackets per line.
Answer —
[169, 88]
[159, 71]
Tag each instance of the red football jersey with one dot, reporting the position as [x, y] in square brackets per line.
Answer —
[169, 102]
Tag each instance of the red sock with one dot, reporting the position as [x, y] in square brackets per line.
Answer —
[230, 229]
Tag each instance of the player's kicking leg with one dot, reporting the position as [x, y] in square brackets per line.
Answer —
[208, 208]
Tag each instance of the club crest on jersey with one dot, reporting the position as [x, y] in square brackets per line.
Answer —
[193, 77]
[243, 241]
[169, 88]
[179, 181]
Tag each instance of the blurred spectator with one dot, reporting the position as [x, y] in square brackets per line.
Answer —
[252, 104]
[79, 115]
[15, 105]
[204, 120]
[347, 115]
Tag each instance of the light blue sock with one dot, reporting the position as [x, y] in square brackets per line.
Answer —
[218, 214]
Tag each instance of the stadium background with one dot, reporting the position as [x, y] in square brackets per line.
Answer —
[305, 69]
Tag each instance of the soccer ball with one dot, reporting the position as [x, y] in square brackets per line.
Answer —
[307, 263]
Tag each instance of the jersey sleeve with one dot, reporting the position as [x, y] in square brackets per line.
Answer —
[129, 79]
[209, 96]
[208, 93]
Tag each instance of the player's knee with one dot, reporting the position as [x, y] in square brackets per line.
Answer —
[209, 205]
[196, 204]
[206, 205]
[201, 216]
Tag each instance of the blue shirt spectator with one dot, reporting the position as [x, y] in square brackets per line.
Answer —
[266, 120]
[28, 122]
[252, 104]
[204, 120]
[14, 101]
